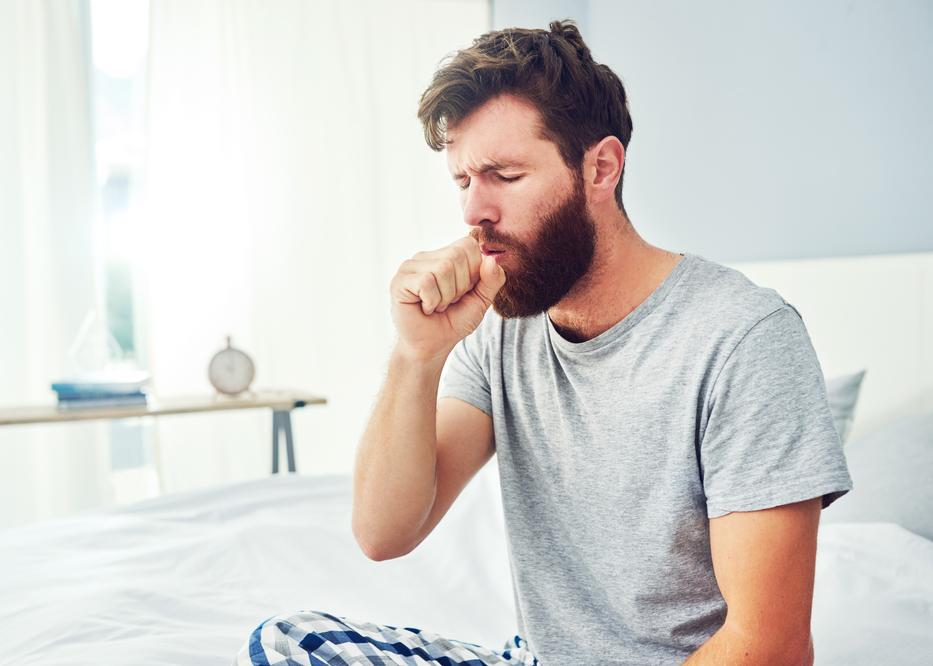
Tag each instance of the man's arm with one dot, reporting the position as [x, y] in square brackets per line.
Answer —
[394, 473]
[416, 454]
[765, 564]
[413, 462]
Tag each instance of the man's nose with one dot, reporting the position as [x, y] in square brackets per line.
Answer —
[479, 205]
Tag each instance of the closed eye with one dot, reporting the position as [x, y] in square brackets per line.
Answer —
[465, 182]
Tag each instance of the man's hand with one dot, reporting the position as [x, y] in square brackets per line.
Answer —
[440, 297]
[764, 563]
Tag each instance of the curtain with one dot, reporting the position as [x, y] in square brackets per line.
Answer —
[287, 179]
[48, 281]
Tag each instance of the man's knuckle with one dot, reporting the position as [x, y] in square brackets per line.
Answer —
[446, 267]
[426, 282]
[462, 257]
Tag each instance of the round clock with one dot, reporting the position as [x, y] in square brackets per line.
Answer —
[231, 371]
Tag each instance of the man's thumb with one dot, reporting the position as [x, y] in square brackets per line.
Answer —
[491, 279]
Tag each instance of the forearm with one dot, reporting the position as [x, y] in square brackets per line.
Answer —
[728, 647]
[394, 474]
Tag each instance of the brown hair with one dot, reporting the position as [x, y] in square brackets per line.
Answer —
[580, 101]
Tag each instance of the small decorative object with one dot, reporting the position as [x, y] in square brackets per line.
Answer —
[98, 374]
[231, 371]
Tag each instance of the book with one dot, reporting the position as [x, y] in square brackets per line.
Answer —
[114, 401]
[94, 394]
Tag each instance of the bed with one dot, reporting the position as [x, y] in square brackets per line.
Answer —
[182, 579]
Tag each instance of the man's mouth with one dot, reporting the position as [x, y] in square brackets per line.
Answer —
[491, 250]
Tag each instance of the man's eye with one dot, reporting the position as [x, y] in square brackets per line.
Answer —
[465, 183]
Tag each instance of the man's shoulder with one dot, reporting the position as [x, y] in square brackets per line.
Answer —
[724, 298]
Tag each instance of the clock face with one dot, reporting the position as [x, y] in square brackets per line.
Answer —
[231, 371]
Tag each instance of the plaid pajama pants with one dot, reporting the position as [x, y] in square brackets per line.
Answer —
[313, 638]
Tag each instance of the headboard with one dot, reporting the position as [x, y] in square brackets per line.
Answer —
[872, 312]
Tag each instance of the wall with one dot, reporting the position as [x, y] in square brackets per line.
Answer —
[769, 131]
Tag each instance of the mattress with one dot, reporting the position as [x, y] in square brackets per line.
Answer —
[184, 578]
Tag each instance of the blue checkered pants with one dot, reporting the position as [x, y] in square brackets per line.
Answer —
[313, 638]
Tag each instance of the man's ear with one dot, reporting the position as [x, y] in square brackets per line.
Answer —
[603, 164]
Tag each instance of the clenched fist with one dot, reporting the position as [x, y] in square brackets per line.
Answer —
[440, 297]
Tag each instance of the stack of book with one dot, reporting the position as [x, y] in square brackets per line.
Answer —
[103, 389]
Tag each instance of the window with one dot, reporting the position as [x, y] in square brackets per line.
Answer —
[119, 46]
[119, 53]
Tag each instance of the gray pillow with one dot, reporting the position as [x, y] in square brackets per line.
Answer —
[843, 394]
[892, 477]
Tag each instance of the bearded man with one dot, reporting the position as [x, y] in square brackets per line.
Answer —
[660, 423]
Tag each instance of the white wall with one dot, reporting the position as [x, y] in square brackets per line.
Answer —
[287, 179]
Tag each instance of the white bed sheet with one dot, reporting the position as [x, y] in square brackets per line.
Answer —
[873, 601]
[183, 579]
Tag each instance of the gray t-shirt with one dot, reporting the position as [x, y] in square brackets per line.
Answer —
[613, 454]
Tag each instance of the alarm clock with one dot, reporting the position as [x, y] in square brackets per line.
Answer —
[231, 370]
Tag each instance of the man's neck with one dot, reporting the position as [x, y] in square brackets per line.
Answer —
[625, 271]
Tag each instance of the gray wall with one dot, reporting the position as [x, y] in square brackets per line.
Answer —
[538, 13]
[769, 130]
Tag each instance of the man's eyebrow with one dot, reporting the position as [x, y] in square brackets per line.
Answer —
[494, 165]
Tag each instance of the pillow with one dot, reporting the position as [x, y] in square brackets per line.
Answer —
[892, 477]
[843, 393]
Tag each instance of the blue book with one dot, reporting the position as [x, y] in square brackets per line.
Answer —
[96, 395]
[120, 401]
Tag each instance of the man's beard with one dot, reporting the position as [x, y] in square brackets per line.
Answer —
[545, 271]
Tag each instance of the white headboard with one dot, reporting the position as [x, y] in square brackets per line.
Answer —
[873, 312]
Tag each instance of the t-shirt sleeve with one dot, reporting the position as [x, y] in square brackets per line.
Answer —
[466, 372]
[770, 438]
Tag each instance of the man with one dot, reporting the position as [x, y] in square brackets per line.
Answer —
[660, 423]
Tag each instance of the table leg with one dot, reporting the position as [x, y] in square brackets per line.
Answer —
[282, 422]
[275, 441]
[286, 420]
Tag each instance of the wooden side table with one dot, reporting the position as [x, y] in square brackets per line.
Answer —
[281, 402]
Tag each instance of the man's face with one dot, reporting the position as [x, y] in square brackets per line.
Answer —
[525, 206]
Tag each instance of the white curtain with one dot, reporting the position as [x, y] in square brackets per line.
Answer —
[47, 268]
[287, 179]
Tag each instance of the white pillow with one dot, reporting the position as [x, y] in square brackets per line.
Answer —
[843, 394]
[892, 477]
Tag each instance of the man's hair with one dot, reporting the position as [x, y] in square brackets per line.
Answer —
[580, 101]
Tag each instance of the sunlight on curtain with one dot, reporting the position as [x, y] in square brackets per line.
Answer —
[47, 267]
[287, 179]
